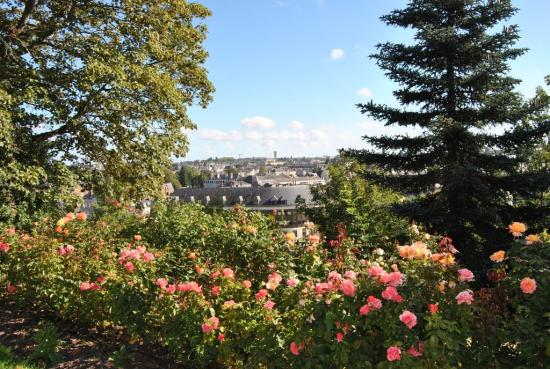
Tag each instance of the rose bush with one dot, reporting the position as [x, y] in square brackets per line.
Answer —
[516, 312]
[227, 289]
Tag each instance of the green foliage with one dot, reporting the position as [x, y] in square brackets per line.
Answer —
[97, 91]
[121, 358]
[358, 205]
[464, 176]
[171, 177]
[9, 361]
[47, 343]
[190, 176]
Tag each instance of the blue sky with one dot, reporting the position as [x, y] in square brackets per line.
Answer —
[288, 73]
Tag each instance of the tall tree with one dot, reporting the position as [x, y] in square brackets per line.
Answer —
[96, 87]
[465, 173]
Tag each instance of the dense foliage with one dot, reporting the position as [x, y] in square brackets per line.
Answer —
[225, 289]
[95, 93]
[466, 173]
[363, 208]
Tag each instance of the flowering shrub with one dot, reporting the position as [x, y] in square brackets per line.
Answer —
[229, 289]
[516, 332]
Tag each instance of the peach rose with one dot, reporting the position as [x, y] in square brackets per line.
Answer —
[517, 229]
[528, 285]
[498, 257]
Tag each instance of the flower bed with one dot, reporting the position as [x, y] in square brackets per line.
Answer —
[228, 290]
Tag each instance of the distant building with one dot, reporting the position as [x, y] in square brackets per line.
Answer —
[167, 189]
[281, 201]
[285, 180]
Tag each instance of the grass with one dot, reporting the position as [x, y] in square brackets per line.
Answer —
[9, 361]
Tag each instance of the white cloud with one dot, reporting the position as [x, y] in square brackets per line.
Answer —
[217, 135]
[258, 122]
[319, 134]
[365, 92]
[254, 135]
[297, 125]
[336, 54]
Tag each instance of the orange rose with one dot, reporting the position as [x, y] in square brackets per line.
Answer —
[532, 238]
[517, 229]
[289, 237]
[498, 256]
[82, 216]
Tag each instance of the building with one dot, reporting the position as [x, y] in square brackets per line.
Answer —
[285, 180]
[281, 201]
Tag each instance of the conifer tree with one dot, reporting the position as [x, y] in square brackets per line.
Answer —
[465, 175]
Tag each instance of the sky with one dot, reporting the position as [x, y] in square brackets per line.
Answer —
[288, 74]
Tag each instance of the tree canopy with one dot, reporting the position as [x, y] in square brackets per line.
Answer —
[466, 173]
[98, 88]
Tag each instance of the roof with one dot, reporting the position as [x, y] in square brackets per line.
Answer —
[247, 196]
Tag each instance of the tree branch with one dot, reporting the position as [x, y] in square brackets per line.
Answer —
[82, 110]
[29, 7]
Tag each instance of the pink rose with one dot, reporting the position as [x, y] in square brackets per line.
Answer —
[464, 297]
[100, 279]
[375, 271]
[85, 286]
[339, 337]
[95, 286]
[221, 337]
[161, 282]
[275, 277]
[350, 274]
[129, 266]
[434, 308]
[465, 275]
[393, 353]
[210, 325]
[269, 305]
[292, 282]
[408, 318]
[216, 274]
[247, 284]
[228, 273]
[189, 287]
[216, 290]
[262, 294]
[416, 352]
[528, 285]
[334, 276]
[148, 257]
[294, 348]
[364, 310]
[11, 289]
[348, 288]
[170, 289]
[390, 293]
[322, 287]
[229, 303]
[61, 251]
[396, 279]
[374, 303]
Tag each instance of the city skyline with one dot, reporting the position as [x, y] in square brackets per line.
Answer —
[289, 73]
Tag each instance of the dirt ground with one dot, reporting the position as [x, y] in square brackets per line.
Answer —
[80, 348]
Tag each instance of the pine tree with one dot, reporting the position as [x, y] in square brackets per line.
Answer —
[465, 175]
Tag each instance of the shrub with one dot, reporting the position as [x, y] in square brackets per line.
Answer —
[226, 289]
